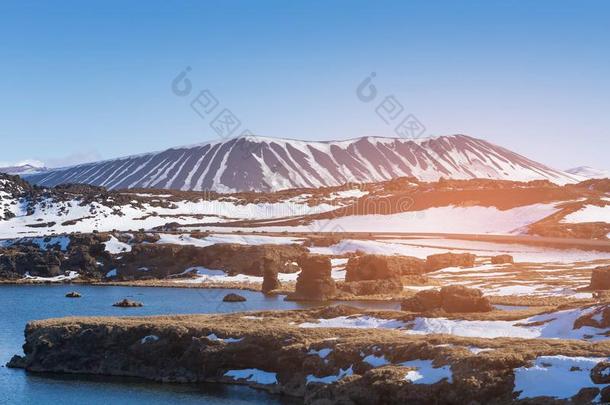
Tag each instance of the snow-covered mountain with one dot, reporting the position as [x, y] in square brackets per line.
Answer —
[23, 169]
[253, 163]
[589, 172]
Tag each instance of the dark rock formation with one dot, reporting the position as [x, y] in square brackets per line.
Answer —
[502, 259]
[322, 241]
[314, 282]
[377, 274]
[372, 287]
[85, 254]
[233, 298]
[457, 298]
[600, 278]
[270, 280]
[125, 303]
[178, 350]
[378, 267]
[444, 260]
[451, 299]
[164, 260]
[423, 301]
[73, 294]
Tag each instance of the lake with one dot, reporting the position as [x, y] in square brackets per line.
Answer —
[20, 304]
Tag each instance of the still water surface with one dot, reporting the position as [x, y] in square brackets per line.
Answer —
[20, 304]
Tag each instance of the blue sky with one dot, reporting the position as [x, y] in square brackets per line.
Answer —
[87, 80]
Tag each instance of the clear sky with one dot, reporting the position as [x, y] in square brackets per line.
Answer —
[82, 80]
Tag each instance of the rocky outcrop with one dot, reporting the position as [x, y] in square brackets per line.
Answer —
[322, 241]
[372, 287]
[163, 260]
[423, 301]
[444, 260]
[232, 297]
[450, 299]
[600, 278]
[213, 348]
[43, 257]
[17, 261]
[125, 303]
[378, 274]
[314, 282]
[502, 259]
[270, 280]
[379, 267]
[73, 294]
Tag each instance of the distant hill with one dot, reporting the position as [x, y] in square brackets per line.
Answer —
[589, 172]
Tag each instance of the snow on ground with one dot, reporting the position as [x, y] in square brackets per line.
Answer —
[451, 219]
[338, 271]
[426, 373]
[322, 353]
[532, 279]
[149, 339]
[555, 325]
[205, 275]
[57, 279]
[213, 337]
[70, 216]
[165, 238]
[376, 361]
[589, 213]
[115, 246]
[331, 378]
[354, 193]
[424, 247]
[218, 238]
[375, 247]
[253, 375]
[460, 327]
[359, 322]
[63, 242]
[555, 376]
[477, 350]
[218, 276]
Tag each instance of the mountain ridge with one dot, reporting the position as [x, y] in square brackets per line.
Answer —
[256, 163]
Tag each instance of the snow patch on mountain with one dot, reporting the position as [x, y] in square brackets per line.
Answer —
[589, 172]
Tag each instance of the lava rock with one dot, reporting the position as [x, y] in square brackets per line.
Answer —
[378, 267]
[600, 278]
[372, 287]
[457, 298]
[234, 298]
[166, 259]
[125, 303]
[270, 280]
[423, 301]
[444, 260]
[314, 282]
[502, 259]
[450, 299]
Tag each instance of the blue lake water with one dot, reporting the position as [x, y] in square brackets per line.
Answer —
[20, 304]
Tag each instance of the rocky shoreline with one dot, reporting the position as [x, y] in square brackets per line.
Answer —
[318, 365]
